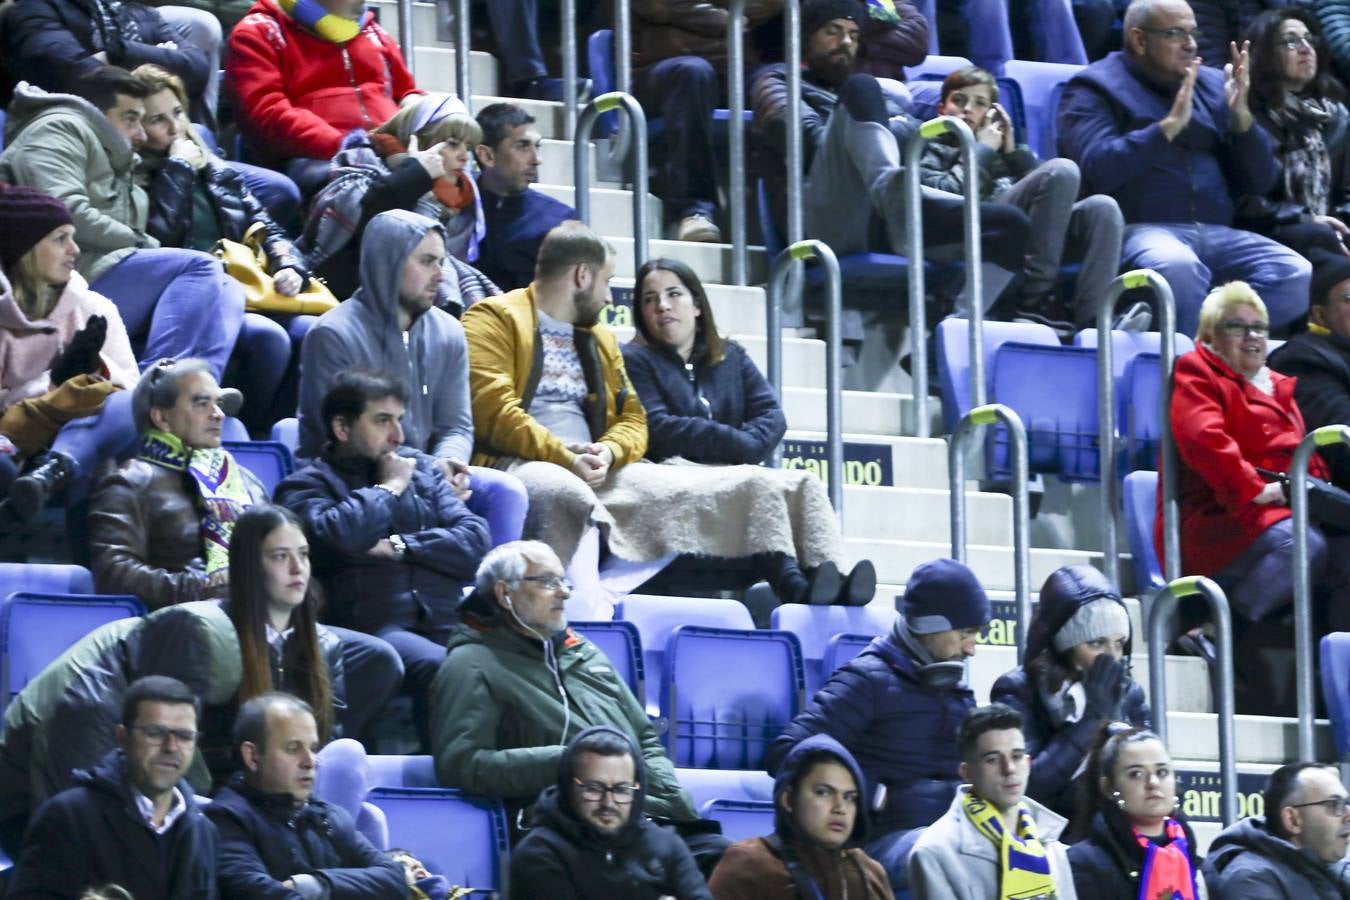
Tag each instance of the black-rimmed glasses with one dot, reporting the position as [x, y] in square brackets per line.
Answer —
[594, 791]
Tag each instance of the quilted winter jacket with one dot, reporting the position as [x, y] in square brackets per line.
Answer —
[297, 94]
[664, 29]
[1321, 365]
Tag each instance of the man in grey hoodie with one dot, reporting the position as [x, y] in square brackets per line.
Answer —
[391, 324]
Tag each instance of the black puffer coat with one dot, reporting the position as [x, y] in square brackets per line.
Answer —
[1107, 864]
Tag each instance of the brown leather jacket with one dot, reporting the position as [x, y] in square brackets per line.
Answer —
[145, 535]
[750, 870]
[667, 28]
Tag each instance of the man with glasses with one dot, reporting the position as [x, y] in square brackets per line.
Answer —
[589, 837]
[131, 820]
[517, 685]
[1295, 850]
[1173, 142]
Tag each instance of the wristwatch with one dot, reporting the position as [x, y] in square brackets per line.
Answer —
[400, 546]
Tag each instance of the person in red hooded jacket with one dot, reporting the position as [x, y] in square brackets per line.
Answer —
[304, 73]
[1232, 416]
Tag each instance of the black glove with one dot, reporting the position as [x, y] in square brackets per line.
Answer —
[1104, 683]
[81, 356]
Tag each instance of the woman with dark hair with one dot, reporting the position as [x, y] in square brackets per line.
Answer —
[707, 403]
[1076, 679]
[1135, 844]
[1297, 100]
[820, 823]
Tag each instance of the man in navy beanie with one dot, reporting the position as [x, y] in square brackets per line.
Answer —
[897, 708]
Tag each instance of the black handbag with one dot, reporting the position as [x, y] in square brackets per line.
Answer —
[1328, 505]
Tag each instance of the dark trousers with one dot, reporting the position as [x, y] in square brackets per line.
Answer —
[422, 657]
[372, 672]
[515, 28]
[684, 90]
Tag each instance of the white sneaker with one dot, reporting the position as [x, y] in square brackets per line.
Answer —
[698, 228]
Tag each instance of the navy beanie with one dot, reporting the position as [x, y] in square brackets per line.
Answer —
[816, 13]
[944, 595]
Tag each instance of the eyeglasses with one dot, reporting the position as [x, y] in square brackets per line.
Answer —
[157, 735]
[549, 582]
[594, 791]
[1294, 41]
[1237, 328]
[1333, 805]
[1176, 35]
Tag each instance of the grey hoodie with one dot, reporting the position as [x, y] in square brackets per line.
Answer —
[64, 145]
[431, 358]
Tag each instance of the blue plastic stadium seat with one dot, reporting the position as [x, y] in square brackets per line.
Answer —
[233, 429]
[401, 771]
[44, 579]
[1041, 85]
[622, 644]
[840, 649]
[704, 785]
[728, 694]
[287, 431]
[953, 358]
[269, 460]
[458, 835]
[936, 67]
[36, 628]
[741, 819]
[814, 626]
[1054, 391]
[1335, 666]
[656, 617]
[1140, 498]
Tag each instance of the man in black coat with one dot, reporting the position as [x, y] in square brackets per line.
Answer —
[589, 836]
[1320, 357]
[276, 840]
[131, 819]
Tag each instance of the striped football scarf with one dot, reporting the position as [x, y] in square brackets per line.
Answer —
[1167, 872]
[1024, 866]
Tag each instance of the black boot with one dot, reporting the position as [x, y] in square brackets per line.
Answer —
[29, 492]
[859, 586]
[818, 587]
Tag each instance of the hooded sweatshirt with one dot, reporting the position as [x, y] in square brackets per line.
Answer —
[563, 857]
[758, 868]
[64, 145]
[1247, 862]
[431, 357]
[1059, 747]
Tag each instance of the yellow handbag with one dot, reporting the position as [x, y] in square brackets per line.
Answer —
[247, 264]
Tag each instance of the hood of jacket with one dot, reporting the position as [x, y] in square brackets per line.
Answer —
[791, 770]
[389, 240]
[1067, 590]
[1251, 835]
[554, 807]
[31, 104]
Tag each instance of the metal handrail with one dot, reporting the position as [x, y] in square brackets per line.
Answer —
[1106, 403]
[568, 14]
[1325, 436]
[405, 35]
[463, 51]
[918, 326]
[1164, 602]
[581, 175]
[962, 437]
[623, 46]
[834, 407]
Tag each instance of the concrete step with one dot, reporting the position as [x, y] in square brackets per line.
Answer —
[424, 23]
[873, 460]
[1269, 740]
[436, 70]
[921, 514]
[864, 412]
[712, 262]
[739, 310]
[611, 208]
[555, 164]
[548, 116]
[992, 565]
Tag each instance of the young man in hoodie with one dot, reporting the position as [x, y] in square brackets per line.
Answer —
[897, 706]
[589, 835]
[1296, 851]
[391, 324]
[994, 842]
[131, 820]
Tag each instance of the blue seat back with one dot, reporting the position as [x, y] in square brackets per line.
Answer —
[1140, 416]
[1140, 497]
[840, 649]
[271, 461]
[401, 771]
[1335, 669]
[233, 429]
[458, 835]
[953, 358]
[814, 626]
[725, 784]
[1040, 85]
[656, 617]
[1054, 391]
[741, 819]
[287, 431]
[936, 67]
[1126, 345]
[622, 644]
[36, 628]
[600, 60]
[721, 722]
[44, 578]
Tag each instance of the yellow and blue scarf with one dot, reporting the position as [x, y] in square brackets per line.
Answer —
[1024, 866]
[313, 16]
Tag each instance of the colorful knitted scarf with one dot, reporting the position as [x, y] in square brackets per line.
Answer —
[1167, 872]
[1024, 866]
[220, 483]
[313, 16]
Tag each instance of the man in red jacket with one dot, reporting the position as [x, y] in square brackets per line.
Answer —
[306, 72]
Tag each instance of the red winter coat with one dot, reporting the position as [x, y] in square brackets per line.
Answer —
[298, 94]
[1225, 428]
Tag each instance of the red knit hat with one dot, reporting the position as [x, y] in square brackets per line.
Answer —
[27, 216]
